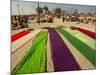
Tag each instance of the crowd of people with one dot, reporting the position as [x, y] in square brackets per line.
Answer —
[19, 22]
[79, 19]
[22, 21]
[45, 19]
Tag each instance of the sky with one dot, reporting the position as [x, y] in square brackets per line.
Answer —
[29, 7]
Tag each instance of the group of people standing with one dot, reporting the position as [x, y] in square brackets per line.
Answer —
[79, 19]
[19, 22]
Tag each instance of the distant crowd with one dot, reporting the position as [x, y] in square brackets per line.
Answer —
[23, 20]
[80, 19]
[19, 22]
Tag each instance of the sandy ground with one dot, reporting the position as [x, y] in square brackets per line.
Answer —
[56, 23]
[50, 67]
[82, 25]
[19, 50]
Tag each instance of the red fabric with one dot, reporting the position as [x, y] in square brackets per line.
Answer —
[19, 35]
[88, 32]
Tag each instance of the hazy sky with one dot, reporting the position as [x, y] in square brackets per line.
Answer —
[30, 7]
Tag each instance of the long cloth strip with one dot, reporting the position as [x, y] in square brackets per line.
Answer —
[88, 52]
[34, 61]
[19, 35]
[63, 60]
[82, 37]
[88, 32]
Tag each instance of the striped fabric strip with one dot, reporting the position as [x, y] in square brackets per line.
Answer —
[82, 37]
[34, 61]
[88, 32]
[63, 60]
[88, 52]
[19, 35]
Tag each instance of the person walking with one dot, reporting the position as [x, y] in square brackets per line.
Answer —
[63, 19]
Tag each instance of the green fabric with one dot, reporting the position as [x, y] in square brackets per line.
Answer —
[88, 52]
[34, 61]
[90, 42]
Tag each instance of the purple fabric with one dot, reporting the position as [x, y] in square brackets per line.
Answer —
[63, 60]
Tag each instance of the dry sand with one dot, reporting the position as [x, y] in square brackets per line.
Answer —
[50, 67]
